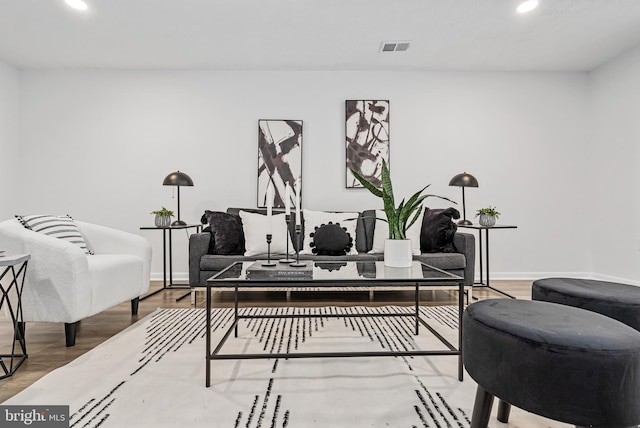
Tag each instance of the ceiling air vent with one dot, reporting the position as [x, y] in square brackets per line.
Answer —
[395, 46]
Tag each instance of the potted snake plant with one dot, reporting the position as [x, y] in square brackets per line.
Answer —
[397, 251]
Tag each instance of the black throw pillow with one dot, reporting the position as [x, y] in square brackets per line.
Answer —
[227, 235]
[438, 230]
[330, 240]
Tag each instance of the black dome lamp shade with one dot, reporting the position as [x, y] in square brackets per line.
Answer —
[464, 180]
[178, 179]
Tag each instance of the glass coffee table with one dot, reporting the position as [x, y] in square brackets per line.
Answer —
[326, 275]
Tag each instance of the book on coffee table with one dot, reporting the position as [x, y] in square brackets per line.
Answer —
[280, 271]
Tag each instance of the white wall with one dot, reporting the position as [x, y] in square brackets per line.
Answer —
[97, 144]
[9, 138]
[615, 168]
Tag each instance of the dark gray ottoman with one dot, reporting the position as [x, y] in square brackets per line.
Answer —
[618, 301]
[560, 362]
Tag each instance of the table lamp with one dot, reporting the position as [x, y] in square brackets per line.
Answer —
[178, 179]
[464, 180]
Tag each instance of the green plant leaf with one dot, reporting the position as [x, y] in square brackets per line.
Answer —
[367, 184]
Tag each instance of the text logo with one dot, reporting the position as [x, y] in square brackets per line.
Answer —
[34, 416]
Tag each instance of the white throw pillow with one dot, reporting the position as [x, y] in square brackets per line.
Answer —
[313, 219]
[381, 233]
[61, 227]
[255, 228]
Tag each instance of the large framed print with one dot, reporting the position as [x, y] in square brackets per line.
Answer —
[279, 159]
[367, 140]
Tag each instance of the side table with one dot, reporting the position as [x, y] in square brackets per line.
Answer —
[167, 230]
[486, 229]
[15, 269]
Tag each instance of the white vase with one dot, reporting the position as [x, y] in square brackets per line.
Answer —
[487, 220]
[397, 253]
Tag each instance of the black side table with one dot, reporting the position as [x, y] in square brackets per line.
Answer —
[11, 299]
[486, 230]
[167, 230]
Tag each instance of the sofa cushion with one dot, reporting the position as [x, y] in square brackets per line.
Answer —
[313, 219]
[381, 233]
[227, 235]
[438, 230]
[216, 263]
[292, 221]
[255, 228]
[61, 227]
[444, 261]
[331, 240]
[359, 257]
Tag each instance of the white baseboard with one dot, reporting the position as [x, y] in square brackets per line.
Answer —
[611, 278]
[177, 276]
[531, 276]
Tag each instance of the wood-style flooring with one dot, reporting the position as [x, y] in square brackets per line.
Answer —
[46, 343]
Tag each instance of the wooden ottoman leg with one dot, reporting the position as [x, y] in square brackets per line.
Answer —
[481, 408]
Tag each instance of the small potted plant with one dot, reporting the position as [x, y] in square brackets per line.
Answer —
[163, 217]
[488, 216]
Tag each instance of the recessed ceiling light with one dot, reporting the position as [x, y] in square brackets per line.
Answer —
[77, 4]
[527, 6]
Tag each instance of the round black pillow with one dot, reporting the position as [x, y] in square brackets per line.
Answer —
[330, 240]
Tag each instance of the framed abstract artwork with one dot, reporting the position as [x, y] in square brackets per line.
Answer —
[279, 159]
[367, 140]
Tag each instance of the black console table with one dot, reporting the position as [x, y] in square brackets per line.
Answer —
[167, 230]
[15, 269]
[486, 230]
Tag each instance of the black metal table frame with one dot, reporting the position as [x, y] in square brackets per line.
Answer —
[170, 285]
[301, 283]
[479, 228]
[16, 359]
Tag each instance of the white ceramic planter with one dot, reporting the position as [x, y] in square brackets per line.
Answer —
[397, 253]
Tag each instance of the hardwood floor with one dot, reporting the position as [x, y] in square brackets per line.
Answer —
[46, 343]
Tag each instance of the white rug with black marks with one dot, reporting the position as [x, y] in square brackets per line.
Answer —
[153, 374]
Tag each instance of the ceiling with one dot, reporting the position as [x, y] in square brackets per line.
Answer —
[445, 35]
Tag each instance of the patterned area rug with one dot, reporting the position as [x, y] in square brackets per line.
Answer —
[152, 374]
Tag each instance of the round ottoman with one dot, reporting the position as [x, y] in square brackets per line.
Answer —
[560, 362]
[618, 301]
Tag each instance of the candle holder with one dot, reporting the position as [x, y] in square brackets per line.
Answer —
[268, 262]
[287, 259]
[297, 262]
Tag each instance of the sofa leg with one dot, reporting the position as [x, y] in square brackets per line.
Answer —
[134, 306]
[504, 409]
[70, 332]
[481, 408]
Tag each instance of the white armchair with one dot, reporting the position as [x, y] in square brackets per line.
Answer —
[63, 284]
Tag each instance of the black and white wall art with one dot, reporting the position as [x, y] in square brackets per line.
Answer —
[279, 160]
[367, 140]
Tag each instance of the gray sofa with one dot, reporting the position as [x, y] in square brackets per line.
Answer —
[203, 265]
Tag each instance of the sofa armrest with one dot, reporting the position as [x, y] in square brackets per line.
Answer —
[198, 247]
[465, 243]
[56, 278]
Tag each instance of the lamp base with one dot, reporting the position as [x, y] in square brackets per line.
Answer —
[465, 222]
[178, 223]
